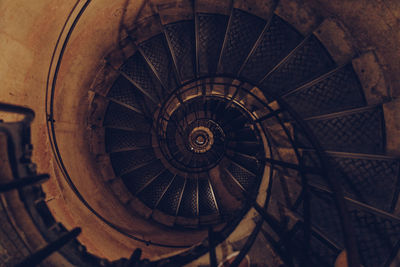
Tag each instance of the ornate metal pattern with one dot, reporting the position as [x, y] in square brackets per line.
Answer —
[377, 232]
[377, 236]
[119, 116]
[306, 63]
[207, 204]
[123, 91]
[152, 193]
[244, 30]
[181, 38]
[322, 253]
[325, 215]
[138, 178]
[188, 207]
[137, 69]
[276, 42]
[246, 162]
[120, 139]
[211, 32]
[127, 160]
[339, 91]
[372, 181]
[170, 200]
[245, 178]
[156, 51]
[355, 132]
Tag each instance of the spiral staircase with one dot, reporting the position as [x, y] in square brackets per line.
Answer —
[214, 109]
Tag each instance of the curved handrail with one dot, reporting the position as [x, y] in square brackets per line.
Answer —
[337, 192]
[50, 91]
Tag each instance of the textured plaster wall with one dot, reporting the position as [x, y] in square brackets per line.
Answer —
[28, 35]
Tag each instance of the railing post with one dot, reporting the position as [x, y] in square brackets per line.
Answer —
[23, 182]
[52, 247]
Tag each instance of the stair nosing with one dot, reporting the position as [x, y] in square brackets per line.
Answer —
[343, 113]
[138, 166]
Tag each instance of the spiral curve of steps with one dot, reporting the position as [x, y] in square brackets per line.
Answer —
[193, 118]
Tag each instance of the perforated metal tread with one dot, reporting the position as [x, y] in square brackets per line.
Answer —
[119, 116]
[377, 234]
[117, 140]
[138, 179]
[243, 31]
[153, 193]
[210, 37]
[249, 163]
[125, 92]
[337, 92]
[122, 162]
[189, 202]
[181, 39]
[322, 253]
[274, 44]
[157, 53]
[371, 180]
[307, 62]
[360, 131]
[207, 202]
[138, 71]
[303, 81]
[170, 201]
[244, 177]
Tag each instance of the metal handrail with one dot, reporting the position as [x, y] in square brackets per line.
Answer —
[338, 194]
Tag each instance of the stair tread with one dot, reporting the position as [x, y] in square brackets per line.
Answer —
[360, 131]
[248, 162]
[244, 177]
[308, 61]
[152, 194]
[122, 162]
[157, 53]
[339, 91]
[322, 253]
[181, 38]
[117, 140]
[138, 178]
[275, 43]
[125, 92]
[119, 116]
[376, 235]
[189, 203]
[207, 201]
[243, 31]
[170, 201]
[372, 181]
[210, 37]
[137, 70]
